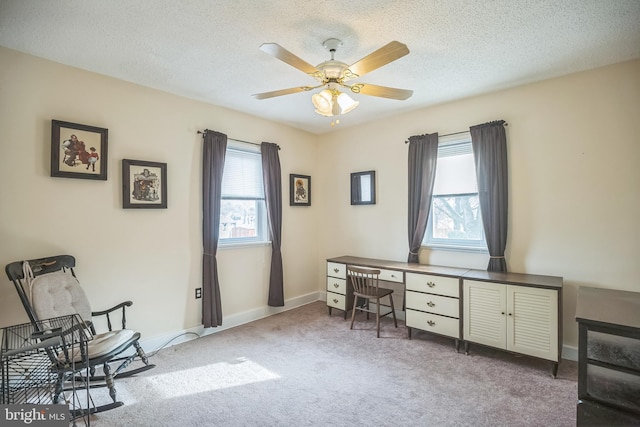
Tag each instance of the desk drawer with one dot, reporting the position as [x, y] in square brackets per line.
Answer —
[387, 275]
[433, 304]
[392, 276]
[433, 323]
[336, 301]
[448, 286]
[339, 286]
[335, 269]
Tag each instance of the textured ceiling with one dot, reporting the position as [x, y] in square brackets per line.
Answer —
[208, 50]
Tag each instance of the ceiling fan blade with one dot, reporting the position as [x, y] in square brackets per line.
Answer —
[284, 55]
[386, 54]
[281, 92]
[381, 91]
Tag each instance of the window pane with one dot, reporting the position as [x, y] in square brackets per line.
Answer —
[455, 175]
[454, 220]
[457, 218]
[239, 218]
[242, 176]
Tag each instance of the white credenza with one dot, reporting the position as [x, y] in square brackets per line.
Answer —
[339, 291]
[433, 304]
[520, 313]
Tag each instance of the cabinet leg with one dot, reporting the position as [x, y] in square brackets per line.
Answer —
[554, 370]
[466, 348]
[457, 345]
[409, 332]
[329, 310]
[345, 315]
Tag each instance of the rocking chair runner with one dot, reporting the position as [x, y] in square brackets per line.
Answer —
[48, 288]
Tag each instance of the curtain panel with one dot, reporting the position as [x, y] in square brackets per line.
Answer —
[423, 157]
[489, 144]
[273, 197]
[214, 152]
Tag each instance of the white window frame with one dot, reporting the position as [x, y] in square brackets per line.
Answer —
[448, 145]
[262, 237]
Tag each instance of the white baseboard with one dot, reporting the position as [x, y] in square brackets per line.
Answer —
[166, 340]
[570, 353]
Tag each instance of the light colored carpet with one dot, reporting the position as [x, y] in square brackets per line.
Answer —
[306, 368]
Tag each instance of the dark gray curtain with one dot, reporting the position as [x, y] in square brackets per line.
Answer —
[489, 143]
[214, 151]
[423, 157]
[273, 197]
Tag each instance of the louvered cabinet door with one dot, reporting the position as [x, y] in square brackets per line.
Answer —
[484, 305]
[532, 321]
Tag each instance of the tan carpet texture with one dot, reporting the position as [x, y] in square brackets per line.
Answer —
[306, 368]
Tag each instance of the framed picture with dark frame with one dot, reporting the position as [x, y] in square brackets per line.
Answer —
[144, 184]
[78, 151]
[299, 190]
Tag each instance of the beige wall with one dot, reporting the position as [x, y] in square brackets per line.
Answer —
[152, 257]
[574, 199]
[573, 154]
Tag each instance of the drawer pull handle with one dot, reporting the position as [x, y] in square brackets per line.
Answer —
[430, 284]
[335, 285]
[431, 304]
[431, 322]
[335, 300]
[335, 270]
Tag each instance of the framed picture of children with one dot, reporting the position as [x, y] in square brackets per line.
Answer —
[299, 190]
[78, 151]
[144, 184]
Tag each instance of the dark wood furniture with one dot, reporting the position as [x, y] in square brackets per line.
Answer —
[608, 357]
[365, 283]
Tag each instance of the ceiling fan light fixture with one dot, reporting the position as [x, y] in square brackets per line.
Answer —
[322, 102]
[346, 103]
[332, 102]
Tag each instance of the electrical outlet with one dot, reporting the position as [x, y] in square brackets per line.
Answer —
[198, 293]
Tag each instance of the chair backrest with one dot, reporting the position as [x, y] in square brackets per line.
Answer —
[53, 291]
[363, 280]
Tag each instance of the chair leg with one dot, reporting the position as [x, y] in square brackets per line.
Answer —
[109, 380]
[378, 317]
[353, 311]
[141, 353]
[393, 311]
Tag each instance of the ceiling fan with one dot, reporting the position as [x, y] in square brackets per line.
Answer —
[333, 74]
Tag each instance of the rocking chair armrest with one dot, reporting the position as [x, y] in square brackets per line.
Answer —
[122, 305]
[114, 308]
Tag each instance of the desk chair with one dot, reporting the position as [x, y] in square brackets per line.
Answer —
[365, 288]
[48, 288]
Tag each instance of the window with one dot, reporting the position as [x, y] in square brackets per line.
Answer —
[454, 219]
[243, 215]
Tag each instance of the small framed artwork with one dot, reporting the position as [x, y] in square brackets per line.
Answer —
[78, 151]
[299, 190]
[144, 185]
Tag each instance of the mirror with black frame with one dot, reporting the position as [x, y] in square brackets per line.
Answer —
[363, 188]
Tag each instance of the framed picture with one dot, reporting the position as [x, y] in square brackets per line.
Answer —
[78, 151]
[144, 185]
[299, 190]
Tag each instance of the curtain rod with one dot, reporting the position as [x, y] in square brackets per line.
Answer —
[232, 139]
[454, 133]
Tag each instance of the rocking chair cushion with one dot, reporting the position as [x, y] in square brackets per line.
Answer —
[59, 294]
[102, 344]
